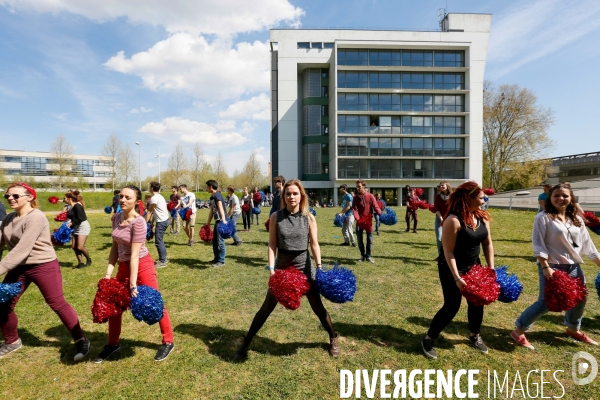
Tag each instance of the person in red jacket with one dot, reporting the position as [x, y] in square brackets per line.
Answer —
[412, 204]
[364, 206]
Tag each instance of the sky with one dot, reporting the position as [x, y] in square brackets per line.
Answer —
[173, 72]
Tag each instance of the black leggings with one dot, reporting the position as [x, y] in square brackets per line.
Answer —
[314, 298]
[246, 218]
[452, 300]
[410, 212]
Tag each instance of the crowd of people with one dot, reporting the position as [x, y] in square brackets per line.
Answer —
[462, 230]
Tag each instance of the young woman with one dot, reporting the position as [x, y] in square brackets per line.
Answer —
[291, 231]
[31, 259]
[559, 238]
[256, 197]
[247, 215]
[81, 228]
[465, 228]
[411, 209]
[440, 203]
[135, 265]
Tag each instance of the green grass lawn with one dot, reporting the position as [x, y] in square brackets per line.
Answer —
[212, 308]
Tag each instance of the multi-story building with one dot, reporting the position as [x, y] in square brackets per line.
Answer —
[572, 168]
[391, 107]
[42, 167]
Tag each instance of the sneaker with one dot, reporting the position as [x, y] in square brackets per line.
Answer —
[218, 264]
[582, 337]
[428, 349]
[9, 348]
[176, 233]
[353, 244]
[345, 244]
[80, 265]
[414, 231]
[408, 230]
[369, 259]
[237, 243]
[164, 351]
[88, 262]
[361, 259]
[334, 348]
[190, 242]
[161, 264]
[477, 342]
[106, 352]
[82, 349]
[242, 352]
[521, 340]
[377, 233]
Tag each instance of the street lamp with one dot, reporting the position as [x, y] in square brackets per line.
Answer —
[158, 156]
[139, 162]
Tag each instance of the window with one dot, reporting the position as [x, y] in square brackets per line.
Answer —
[352, 168]
[304, 45]
[311, 82]
[414, 80]
[417, 102]
[328, 45]
[352, 101]
[449, 169]
[450, 147]
[417, 58]
[324, 111]
[450, 58]
[352, 80]
[448, 103]
[353, 124]
[386, 58]
[417, 147]
[356, 147]
[341, 147]
[385, 169]
[416, 125]
[316, 45]
[449, 125]
[384, 102]
[352, 57]
[324, 91]
[385, 80]
[312, 120]
[417, 168]
[448, 81]
[312, 158]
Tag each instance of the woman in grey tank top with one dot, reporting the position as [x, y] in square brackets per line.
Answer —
[293, 230]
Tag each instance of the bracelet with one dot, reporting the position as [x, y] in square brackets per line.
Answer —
[319, 265]
[270, 268]
[547, 266]
[458, 279]
[133, 288]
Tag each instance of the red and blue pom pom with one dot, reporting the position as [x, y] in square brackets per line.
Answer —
[510, 287]
[112, 298]
[481, 288]
[257, 198]
[563, 292]
[365, 223]
[267, 224]
[255, 210]
[8, 291]
[185, 213]
[339, 220]
[149, 231]
[312, 211]
[148, 305]
[206, 234]
[108, 209]
[226, 230]
[53, 199]
[170, 205]
[61, 217]
[337, 285]
[63, 234]
[174, 213]
[388, 217]
[592, 222]
[288, 286]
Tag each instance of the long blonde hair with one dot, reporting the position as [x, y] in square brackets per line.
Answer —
[303, 196]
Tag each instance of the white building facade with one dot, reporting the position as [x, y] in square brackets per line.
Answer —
[390, 107]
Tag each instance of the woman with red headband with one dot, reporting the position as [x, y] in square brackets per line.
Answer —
[465, 229]
[31, 259]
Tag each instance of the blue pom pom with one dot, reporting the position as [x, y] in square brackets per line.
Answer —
[108, 209]
[510, 287]
[312, 211]
[63, 234]
[148, 305]
[119, 209]
[255, 210]
[384, 203]
[174, 213]
[598, 284]
[337, 285]
[485, 198]
[149, 233]
[182, 212]
[388, 217]
[8, 291]
[339, 220]
[262, 196]
[226, 230]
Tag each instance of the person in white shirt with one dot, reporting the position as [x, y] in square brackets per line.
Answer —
[235, 211]
[559, 239]
[188, 200]
[158, 210]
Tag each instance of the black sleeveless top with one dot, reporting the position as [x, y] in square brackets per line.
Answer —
[468, 242]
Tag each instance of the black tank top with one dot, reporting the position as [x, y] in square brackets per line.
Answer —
[468, 241]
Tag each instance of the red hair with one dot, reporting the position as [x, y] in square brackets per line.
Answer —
[458, 204]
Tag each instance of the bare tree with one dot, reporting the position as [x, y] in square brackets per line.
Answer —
[252, 174]
[110, 151]
[62, 160]
[515, 129]
[178, 164]
[127, 167]
[198, 166]
[219, 171]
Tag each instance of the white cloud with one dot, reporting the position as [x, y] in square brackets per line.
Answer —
[529, 31]
[142, 109]
[222, 18]
[190, 64]
[134, 111]
[255, 108]
[221, 134]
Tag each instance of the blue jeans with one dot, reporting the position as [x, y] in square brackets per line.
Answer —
[377, 223]
[438, 234]
[234, 220]
[252, 218]
[361, 246]
[218, 243]
[161, 228]
[573, 316]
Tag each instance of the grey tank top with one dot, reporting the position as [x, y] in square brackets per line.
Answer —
[292, 243]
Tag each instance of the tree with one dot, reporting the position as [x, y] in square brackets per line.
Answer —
[178, 164]
[62, 160]
[252, 174]
[515, 130]
[111, 150]
[528, 174]
[81, 182]
[198, 166]
[127, 167]
[220, 171]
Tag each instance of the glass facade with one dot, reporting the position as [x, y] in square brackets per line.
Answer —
[394, 147]
[401, 80]
[405, 124]
[38, 166]
[401, 58]
[397, 169]
[401, 102]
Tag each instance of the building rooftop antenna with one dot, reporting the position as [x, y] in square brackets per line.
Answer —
[441, 14]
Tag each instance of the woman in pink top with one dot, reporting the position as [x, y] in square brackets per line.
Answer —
[135, 265]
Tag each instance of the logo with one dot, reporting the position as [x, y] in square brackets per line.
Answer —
[584, 363]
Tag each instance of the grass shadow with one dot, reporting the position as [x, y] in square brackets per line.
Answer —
[249, 261]
[191, 262]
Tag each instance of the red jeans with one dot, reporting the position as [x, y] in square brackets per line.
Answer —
[48, 279]
[146, 276]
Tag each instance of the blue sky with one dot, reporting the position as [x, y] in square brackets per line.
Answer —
[180, 71]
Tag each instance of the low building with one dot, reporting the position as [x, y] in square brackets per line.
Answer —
[575, 167]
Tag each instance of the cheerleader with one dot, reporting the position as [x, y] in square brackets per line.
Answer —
[81, 228]
[412, 201]
[292, 230]
[440, 203]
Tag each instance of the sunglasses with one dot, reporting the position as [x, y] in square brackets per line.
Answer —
[14, 195]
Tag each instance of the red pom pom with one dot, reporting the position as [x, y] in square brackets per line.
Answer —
[432, 208]
[365, 223]
[288, 286]
[267, 223]
[245, 207]
[112, 298]
[170, 205]
[61, 217]
[590, 219]
[381, 205]
[563, 292]
[188, 214]
[257, 199]
[481, 287]
[423, 205]
[53, 199]
[418, 192]
[489, 191]
[206, 234]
